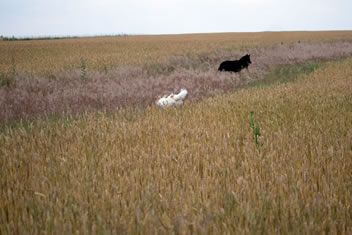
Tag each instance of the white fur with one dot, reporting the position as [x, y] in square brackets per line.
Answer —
[172, 99]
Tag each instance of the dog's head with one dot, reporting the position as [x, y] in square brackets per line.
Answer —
[246, 59]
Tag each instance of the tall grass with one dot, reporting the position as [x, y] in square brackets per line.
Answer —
[46, 57]
[191, 169]
[68, 94]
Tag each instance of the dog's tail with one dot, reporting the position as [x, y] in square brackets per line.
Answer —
[181, 96]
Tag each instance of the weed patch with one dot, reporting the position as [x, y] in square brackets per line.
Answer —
[285, 74]
[6, 80]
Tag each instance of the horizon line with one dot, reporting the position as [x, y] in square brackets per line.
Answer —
[52, 37]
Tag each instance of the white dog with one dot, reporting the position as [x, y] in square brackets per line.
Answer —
[172, 99]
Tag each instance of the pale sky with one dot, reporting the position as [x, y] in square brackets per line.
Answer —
[35, 18]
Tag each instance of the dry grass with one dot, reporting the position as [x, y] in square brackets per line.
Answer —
[31, 96]
[193, 169]
[48, 57]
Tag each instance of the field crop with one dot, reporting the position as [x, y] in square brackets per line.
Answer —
[109, 162]
[191, 169]
[25, 96]
[47, 57]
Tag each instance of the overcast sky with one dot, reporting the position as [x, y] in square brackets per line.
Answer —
[22, 18]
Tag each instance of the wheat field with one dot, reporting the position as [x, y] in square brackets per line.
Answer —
[36, 80]
[193, 169]
[103, 53]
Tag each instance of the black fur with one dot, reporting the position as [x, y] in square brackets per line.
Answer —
[235, 65]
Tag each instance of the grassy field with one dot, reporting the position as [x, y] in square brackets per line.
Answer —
[180, 61]
[195, 168]
[103, 53]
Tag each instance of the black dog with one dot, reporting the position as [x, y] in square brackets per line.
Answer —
[235, 65]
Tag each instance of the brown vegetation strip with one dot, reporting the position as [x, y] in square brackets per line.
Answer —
[31, 96]
[101, 53]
